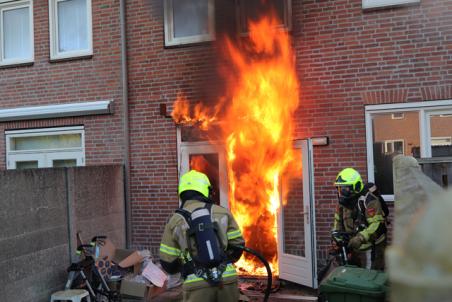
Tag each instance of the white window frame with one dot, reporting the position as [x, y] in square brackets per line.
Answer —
[9, 5]
[392, 141]
[367, 4]
[394, 116]
[425, 109]
[446, 138]
[428, 116]
[170, 40]
[287, 22]
[55, 54]
[44, 156]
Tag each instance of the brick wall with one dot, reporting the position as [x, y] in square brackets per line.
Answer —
[156, 75]
[346, 58]
[78, 80]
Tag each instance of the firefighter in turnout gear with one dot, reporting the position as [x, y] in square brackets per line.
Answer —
[199, 241]
[360, 214]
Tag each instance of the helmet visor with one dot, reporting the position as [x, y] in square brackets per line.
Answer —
[344, 191]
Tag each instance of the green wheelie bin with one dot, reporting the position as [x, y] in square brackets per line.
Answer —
[354, 284]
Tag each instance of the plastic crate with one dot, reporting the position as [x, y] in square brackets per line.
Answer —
[354, 284]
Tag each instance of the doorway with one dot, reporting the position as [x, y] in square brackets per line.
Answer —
[296, 219]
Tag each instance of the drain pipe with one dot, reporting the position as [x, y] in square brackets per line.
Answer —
[125, 112]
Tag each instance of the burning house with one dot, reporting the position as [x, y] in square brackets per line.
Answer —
[256, 126]
[269, 98]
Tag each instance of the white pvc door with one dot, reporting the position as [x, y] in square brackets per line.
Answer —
[296, 225]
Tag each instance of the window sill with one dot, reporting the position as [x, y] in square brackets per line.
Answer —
[56, 59]
[186, 41]
[17, 64]
[187, 44]
[380, 5]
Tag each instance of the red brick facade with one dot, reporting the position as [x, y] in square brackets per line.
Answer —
[345, 58]
[72, 81]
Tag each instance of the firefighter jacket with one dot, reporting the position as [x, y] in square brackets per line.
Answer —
[366, 218]
[174, 242]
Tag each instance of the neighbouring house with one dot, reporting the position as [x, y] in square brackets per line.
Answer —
[86, 82]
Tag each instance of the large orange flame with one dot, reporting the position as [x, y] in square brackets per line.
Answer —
[258, 132]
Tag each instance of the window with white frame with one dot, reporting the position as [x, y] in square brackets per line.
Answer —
[16, 32]
[394, 146]
[252, 10]
[425, 131]
[189, 21]
[441, 141]
[386, 3]
[70, 28]
[397, 115]
[45, 148]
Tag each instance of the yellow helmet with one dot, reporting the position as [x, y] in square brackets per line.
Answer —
[349, 177]
[196, 181]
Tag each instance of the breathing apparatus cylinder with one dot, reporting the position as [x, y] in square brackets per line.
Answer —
[210, 253]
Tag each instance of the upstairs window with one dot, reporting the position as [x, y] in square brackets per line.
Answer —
[253, 10]
[386, 3]
[189, 21]
[70, 29]
[16, 32]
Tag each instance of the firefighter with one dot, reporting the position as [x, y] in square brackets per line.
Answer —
[178, 252]
[359, 213]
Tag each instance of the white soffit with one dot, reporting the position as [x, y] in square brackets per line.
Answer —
[52, 111]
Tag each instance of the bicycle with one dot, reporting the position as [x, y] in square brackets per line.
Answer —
[84, 274]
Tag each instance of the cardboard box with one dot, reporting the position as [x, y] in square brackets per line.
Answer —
[125, 258]
[132, 289]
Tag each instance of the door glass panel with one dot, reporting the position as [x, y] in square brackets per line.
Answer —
[58, 163]
[31, 164]
[194, 134]
[294, 219]
[208, 164]
[441, 135]
[392, 135]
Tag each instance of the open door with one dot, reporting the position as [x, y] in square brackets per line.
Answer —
[207, 158]
[296, 225]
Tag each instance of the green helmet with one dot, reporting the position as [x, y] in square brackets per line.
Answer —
[349, 177]
[196, 181]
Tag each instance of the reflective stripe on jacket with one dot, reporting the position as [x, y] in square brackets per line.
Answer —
[348, 220]
[174, 242]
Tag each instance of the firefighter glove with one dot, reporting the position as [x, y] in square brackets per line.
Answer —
[356, 242]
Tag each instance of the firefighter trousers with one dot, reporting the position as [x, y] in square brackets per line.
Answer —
[226, 293]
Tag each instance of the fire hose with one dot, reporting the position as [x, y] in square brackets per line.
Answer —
[267, 267]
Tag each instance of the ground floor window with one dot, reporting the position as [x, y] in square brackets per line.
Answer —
[422, 130]
[45, 148]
